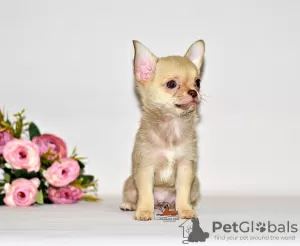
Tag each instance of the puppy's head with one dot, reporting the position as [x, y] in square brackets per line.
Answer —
[170, 84]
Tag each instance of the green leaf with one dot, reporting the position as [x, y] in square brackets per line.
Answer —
[2, 161]
[90, 198]
[19, 124]
[33, 131]
[1, 116]
[47, 201]
[6, 126]
[6, 177]
[86, 179]
[81, 164]
[1, 199]
[40, 197]
[22, 173]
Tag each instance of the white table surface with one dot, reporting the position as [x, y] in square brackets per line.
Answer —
[103, 223]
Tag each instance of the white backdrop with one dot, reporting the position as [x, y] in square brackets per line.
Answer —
[69, 63]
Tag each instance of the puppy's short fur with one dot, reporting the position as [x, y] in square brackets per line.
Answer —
[164, 158]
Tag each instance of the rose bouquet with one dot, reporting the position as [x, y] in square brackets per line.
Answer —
[36, 168]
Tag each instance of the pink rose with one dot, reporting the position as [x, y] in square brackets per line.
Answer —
[62, 174]
[65, 195]
[56, 145]
[22, 154]
[22, 192]
[4, 138]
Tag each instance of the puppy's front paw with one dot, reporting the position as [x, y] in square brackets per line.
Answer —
[126, 206]
[187, 214]
[144, 215]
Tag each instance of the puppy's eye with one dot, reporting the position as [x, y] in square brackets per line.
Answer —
[171, 84]
[197, 82]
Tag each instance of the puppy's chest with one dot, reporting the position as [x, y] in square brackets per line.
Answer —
[165, 165]
[170, 145]
[166, 159]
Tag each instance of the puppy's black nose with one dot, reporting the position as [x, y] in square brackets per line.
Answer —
[193, 93]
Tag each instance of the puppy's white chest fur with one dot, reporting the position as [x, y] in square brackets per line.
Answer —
[166, 172]
[171, 155]
[168, 144]
[176, 128]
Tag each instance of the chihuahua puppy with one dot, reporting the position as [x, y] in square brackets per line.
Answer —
[164, 158]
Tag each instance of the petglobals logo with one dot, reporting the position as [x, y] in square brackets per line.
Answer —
[251, 227]
[238, 231]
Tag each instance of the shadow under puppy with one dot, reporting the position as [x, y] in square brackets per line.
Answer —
[164, 158]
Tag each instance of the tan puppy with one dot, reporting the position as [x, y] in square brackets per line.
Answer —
[164, 158]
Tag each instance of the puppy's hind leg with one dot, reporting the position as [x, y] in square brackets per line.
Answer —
[129, 195]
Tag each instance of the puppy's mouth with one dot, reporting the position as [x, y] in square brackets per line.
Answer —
[187, 105]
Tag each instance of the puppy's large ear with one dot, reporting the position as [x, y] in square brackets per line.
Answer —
[196, 53]
[144, 62]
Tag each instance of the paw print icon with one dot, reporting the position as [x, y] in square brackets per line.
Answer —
[261, 227]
